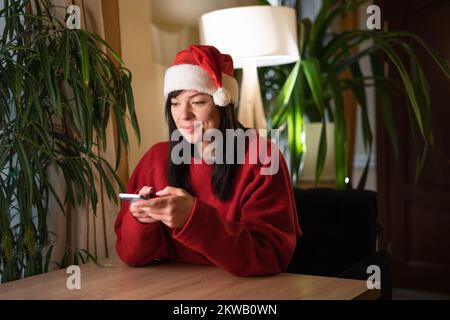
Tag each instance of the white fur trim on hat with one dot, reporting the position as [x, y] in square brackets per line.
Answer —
[193, 77]
[222, 97]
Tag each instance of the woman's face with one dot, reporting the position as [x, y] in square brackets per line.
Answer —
[194, 110]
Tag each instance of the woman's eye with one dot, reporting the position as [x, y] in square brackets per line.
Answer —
[198, 102]
[174, 104]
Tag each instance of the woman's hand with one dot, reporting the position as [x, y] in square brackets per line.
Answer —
[136, 212]
[172, 207]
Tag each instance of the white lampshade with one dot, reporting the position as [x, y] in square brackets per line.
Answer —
[264, 35]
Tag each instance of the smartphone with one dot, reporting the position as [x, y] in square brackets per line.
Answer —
[131, 197]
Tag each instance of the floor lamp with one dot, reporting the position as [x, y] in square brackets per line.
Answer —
[255, 36]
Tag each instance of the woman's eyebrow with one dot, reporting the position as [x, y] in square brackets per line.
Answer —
[197, 94]
[190, 97]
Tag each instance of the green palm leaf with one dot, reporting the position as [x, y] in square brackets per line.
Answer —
[58, 88]
[325, 56]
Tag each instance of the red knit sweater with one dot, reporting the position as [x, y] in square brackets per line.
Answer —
[253, 233]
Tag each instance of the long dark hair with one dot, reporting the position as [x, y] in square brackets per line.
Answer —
[223, 174]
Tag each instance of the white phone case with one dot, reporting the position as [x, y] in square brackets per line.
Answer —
[130, 197]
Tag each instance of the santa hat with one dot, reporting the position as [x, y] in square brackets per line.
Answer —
[204, 69]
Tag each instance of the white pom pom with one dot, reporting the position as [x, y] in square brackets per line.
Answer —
[222, 97]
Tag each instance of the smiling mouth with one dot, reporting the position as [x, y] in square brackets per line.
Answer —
[191, 129]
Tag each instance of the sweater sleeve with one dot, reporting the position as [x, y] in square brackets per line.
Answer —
[139, 243]
[262, 241]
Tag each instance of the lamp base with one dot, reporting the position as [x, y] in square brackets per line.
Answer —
[251, 110]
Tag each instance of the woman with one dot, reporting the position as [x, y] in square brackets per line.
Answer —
[208, 211]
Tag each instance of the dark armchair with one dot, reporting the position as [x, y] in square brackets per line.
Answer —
[339, 235]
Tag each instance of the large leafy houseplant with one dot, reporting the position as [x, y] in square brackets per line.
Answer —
[329, 65]
[58, 90]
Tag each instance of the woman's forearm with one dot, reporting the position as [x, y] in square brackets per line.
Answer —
[241, 248]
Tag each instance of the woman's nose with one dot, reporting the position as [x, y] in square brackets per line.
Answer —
[186, 111]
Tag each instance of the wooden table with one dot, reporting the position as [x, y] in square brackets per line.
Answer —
[181, 281]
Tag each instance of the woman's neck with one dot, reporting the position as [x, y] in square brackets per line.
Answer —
[199, 149]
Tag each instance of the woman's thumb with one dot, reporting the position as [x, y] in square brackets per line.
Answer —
[145, 190]
[163, 192]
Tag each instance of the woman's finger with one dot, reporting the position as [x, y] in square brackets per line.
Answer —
[148, 216]
[155, 203]
[147, 210]
[147, 220]
[167, 191]
[158, 202]
[140, 214]
[146, 190]
[136, 210]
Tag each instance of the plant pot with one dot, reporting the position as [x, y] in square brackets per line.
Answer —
[312, 138]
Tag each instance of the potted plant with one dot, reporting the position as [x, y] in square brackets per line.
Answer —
[58, 89]
[312, 89]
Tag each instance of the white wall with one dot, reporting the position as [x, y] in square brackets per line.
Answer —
[147, 76]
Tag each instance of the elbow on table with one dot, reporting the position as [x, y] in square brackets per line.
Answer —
[132, 258]
[273, 262]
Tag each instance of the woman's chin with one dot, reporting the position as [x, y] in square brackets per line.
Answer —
[191, 138]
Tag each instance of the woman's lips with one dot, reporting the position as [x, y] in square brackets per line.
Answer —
[190, 129]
